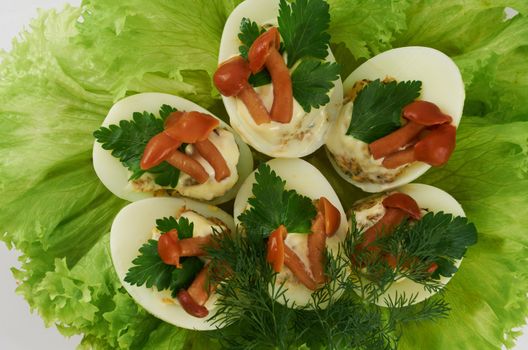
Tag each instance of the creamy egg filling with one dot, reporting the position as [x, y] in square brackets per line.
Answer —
[187, 186]
[202, 226]
[353, 156]
[303, 129]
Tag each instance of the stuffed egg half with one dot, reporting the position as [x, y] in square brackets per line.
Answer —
[306, 180]
[441, 84]
[115, 176]
[429, 199]
[306, 132]
[133, 227]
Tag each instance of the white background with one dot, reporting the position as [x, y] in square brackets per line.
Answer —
[19, 329]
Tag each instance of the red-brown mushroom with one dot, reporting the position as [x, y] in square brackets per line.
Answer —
[419, 114]
[278, 253]
[325, 224]
[231, 79]
[171, 249]
[213, 156]
[191, 127]
[398, 207]
[168, 248]
[186, 127]
[402, 147]
[265, 52]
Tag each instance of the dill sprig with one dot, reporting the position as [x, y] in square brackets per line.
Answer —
[437, 238]
[257, 314]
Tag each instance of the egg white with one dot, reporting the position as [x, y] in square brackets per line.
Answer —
[442, 84]
[304, 178]
[266, 138]
[132, 227]
[115, 176]
[434, 200]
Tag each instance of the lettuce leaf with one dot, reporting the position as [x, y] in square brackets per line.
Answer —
[488, 176]
[62, 77]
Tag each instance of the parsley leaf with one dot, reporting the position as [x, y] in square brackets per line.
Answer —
[303, 26]
[128, 140]
[311, 81]
[166, 174]
[149, 269]
[377, 108]
[249, 32]
[182, 278]
[261, 78]
[165, 111]
[273, 206]
[182, 225]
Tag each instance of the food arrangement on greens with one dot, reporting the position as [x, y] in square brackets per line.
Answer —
[312, 262]
[207, 161]
[370, 146]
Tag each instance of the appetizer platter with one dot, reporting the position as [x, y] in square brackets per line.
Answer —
[235, 175]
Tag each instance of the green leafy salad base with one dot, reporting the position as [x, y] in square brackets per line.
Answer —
[64, 73]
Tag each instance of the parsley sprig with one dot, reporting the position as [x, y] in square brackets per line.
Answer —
[378, 107]
[272, 205]
[303, 25]
[311, 81]
[148, 269]
[128, 140]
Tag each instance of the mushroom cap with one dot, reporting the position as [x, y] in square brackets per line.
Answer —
[425, 113]
[436, 148]
[403, 202]
[260, 49]
[232, 76]
[192, 127]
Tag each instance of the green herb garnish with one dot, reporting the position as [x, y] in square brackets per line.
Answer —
[311, 81]
[303, 26]
[182, 225]
[378, 106]
[150, 270]
[249, 32]
[273, 205]
[254, 307]
[436, 238]
[128, 140]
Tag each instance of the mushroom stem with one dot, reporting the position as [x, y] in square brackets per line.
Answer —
[296, 266]
[254, 104]
[201, 287]
[399, 158]
[392, 218]
[194, 246]
[213, 156]
[282, 108]
[396, 140]
[188, 165]
[231, 79]
[316, 248]
[157, 150]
